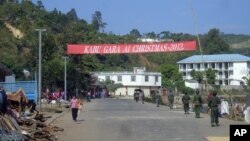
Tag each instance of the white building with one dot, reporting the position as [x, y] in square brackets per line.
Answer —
[150, 40]
[230, 68]
[149, 82]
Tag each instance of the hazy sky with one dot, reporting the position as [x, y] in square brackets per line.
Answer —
[121, 16]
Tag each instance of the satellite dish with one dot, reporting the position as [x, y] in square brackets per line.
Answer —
[26, 73]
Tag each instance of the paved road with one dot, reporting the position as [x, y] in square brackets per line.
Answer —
[125, 120]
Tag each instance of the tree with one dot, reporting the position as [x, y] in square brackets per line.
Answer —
[72, 14]
[213, 43]
[211, 76]
[111, 86]
[53, 72]
[197, 75]
[151, 35]
[40, 5]
[171, 77]
[1, 1]
[97, 22]
[165, 35]
[135, 33]
[50, 49]
[247, 79]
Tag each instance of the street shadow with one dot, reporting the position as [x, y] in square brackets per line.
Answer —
[80, 121]
[198, 117]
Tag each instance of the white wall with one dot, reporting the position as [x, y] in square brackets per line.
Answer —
[193, 85]
[128, 85]
[234, 82]
[126, 79]
[130, 90]
[239, 70]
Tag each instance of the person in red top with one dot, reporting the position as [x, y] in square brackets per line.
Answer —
[209, 97]
[74, 107]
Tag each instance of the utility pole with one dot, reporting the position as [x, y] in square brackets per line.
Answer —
[65, 77]
[40, 66]
[204, 77]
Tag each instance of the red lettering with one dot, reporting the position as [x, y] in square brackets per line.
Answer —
[131, 48]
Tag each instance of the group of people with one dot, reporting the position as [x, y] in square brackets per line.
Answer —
[57, 95]
[213, 105]
[170, 99]
[139, 95]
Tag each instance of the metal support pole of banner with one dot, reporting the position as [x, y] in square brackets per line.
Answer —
[40, 66]
[65, 77]
[200, 48]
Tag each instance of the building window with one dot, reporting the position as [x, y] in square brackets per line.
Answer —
[191, 66]
[226, 74]
[206, 65]
[220, 82]
[231, 73]
[217, 66]
[226, 65]
[156, 78]
[226, 82]
[213, 65]
[198, 66]
[231, 64]
[220, 72]
[146, 78]
[107, 78]
[119, 78]
[184, 66]
[133, 78]
[220, 65]
[184, 74]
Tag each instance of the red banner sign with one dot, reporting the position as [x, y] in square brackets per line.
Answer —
[130, 48]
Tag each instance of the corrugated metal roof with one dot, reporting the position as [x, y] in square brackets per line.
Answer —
[216, 58]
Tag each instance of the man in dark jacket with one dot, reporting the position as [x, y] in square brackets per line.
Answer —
[197, 101]
[185, 100]
[213, 104]
[157, 99]
[171, 99]
[3, 101]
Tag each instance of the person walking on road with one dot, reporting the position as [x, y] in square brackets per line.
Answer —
[88, 96]
[185, 100]
[171, 99]
[142, 97]
[213, 105]
[136, 96]
[197, 101]
[74, 107]
[157, 98]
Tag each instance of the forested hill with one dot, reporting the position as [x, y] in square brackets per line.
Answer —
[19, 42]
[238, 43]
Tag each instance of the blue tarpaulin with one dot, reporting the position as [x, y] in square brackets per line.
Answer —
[29, 87]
